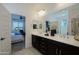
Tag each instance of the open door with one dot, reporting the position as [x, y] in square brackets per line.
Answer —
[5, 40]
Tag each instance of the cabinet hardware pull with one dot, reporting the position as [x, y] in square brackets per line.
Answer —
[60, 52]
[56, 51]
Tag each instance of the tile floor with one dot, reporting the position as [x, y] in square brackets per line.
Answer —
[18, 46]
[19, 49]
[27, 51]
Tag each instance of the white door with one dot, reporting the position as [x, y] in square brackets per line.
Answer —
[5, 39]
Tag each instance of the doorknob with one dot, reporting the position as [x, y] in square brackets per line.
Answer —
[2, 38]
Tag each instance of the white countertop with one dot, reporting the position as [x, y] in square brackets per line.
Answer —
[67, 39]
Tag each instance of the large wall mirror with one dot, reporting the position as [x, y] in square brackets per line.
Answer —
[65, 21]
[59, 21]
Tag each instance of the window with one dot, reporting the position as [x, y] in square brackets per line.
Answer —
[17, 22]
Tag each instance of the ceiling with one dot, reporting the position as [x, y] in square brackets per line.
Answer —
[31, 8]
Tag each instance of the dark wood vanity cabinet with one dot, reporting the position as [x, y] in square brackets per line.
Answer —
[44, 45]
[51, 47]
[39, 43]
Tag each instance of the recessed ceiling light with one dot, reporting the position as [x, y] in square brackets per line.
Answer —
[41, 12]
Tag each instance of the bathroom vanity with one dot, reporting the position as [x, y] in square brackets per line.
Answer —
[55, 45]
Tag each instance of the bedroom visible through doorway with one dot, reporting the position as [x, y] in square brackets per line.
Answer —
[17, 33]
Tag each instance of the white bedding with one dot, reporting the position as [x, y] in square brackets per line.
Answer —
[16, 38]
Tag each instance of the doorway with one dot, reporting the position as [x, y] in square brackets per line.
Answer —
[17, 32]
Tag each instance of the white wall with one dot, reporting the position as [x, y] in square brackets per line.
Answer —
[5, 22]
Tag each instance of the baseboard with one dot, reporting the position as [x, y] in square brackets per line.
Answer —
[5, 53]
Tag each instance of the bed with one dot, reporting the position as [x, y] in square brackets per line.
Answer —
[16, 38]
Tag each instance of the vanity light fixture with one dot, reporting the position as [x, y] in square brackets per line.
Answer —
[41, 12]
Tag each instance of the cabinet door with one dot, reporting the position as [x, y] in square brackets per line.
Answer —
[43, 45]
[69, 50]
[52, 48]
[35, 42]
